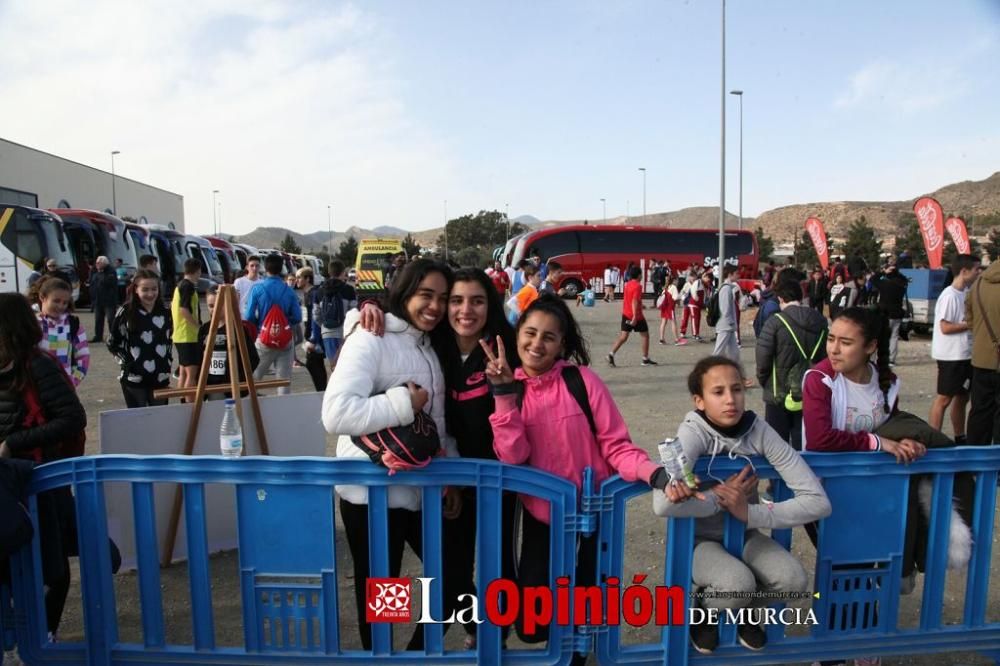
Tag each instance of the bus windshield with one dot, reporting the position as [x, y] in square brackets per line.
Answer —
[56, 244]
[138, 241]
[519, 250]
[214, 267]
[112, 241]
[116, 245]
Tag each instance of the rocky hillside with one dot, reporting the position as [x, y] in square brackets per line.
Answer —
[971, 197]
[700, 217]
[271, 237]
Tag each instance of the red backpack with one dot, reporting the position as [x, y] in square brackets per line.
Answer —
[34, 416]
[274, 330]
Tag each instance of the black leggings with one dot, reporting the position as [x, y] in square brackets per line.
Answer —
[787, 424]
[316, 367]
[404, 528]
[59, 542]
[533, 569]
[141, 396]
[459, 548]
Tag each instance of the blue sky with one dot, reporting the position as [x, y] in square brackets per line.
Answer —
[387, 109]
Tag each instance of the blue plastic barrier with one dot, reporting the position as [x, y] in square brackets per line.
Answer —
[288, 561]
[858, 565]
[287, 558]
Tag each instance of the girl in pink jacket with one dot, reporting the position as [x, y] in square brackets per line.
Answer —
[548, 429]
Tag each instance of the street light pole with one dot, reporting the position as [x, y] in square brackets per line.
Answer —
[445, 231]
[643, 170]
[739, 94]
[220, 217]
[506, 214]
[722, 149]
[215, 221]
[114, 194]
[329, 228]
[604, 207]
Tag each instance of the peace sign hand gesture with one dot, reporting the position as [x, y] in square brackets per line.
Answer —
[497, 370]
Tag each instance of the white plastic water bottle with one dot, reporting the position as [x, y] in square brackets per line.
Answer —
[675, 462]
[230, 434]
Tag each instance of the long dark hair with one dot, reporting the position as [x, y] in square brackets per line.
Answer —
[574, 344]
[497, 325]
[874, 326]
[496, 321]
[132, 304]
[405, 284]
[19, 335]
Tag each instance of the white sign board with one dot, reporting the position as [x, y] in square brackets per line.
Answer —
[293, 429]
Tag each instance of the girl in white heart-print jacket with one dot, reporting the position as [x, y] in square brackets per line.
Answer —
[141, 341]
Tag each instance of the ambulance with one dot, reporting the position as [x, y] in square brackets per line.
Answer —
[374, 255]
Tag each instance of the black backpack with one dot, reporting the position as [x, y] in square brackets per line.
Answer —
[793, 400]
[574, 382]
[714, 312]
[331, 307]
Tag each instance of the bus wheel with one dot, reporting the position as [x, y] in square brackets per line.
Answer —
[572, 287]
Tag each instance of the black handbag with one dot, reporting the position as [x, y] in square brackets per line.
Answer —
[408, 447]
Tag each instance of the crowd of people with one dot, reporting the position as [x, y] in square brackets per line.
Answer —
[516, 386]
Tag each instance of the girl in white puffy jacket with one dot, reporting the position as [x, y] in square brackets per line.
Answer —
[381, 382]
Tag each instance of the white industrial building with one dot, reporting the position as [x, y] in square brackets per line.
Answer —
[34, 178]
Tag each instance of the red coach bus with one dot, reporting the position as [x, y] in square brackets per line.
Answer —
[585, 251]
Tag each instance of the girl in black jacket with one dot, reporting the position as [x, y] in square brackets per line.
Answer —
[475, 312]
[141, 341]
[41, 419]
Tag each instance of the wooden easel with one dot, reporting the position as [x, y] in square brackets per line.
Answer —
[227, 307]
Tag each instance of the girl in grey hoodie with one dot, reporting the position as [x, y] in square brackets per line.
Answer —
[721, 426]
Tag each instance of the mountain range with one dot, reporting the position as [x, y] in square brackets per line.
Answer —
[783, 224]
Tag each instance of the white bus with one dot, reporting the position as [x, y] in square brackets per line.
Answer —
[28, 235]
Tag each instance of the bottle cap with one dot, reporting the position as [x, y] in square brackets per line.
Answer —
[230, 401]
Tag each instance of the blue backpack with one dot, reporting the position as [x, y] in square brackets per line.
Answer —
[331, 307]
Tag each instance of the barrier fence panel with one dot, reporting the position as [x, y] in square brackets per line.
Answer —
[859, 562]
[288, 569]
[288, 562]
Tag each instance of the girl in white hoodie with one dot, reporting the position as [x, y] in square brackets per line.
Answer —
[381, 382]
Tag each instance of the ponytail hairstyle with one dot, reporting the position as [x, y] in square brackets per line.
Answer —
[874, 326]
[574, 344]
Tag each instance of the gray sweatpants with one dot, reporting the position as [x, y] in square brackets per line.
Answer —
[765, 567]
[725, 345]
[894, 339]
[282, 361]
